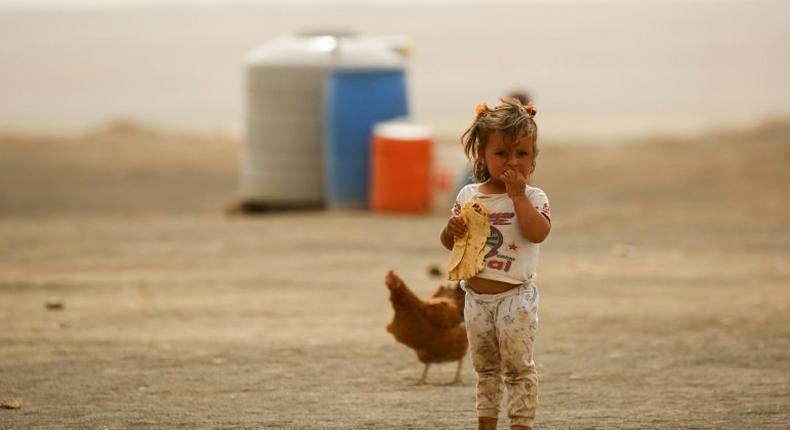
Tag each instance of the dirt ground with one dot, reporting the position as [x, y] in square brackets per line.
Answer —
[665, 292]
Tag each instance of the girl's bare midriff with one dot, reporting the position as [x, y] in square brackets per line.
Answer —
[489, 286]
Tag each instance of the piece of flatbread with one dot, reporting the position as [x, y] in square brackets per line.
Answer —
[469, 251]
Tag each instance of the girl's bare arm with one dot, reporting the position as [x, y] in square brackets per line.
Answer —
[534, 226]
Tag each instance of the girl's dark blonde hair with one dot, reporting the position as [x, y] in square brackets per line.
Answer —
[511, 118]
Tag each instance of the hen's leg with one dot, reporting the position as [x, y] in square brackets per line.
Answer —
[457, 379]
[424, 374]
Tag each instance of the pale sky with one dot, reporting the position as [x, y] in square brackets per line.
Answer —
[139, 3]
[112, 3]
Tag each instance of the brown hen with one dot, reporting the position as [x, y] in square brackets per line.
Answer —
[433, 327]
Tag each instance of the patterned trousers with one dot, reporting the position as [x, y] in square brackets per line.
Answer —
[501, 330]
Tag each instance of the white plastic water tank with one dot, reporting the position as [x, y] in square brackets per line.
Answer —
[282, 160]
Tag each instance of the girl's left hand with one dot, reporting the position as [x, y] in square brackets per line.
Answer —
[515, 183]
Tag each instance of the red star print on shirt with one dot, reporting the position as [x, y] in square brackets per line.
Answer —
[513, 247]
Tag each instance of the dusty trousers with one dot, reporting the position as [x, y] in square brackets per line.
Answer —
[501, 330]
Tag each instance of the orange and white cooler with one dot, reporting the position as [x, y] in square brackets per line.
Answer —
[401, 163]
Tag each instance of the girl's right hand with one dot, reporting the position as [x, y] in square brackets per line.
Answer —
[456, 227]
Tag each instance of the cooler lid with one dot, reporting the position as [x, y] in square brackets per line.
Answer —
[402, 130]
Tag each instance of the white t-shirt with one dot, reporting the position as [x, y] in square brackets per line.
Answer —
[512, 259]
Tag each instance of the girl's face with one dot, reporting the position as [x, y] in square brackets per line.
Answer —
[517, 156]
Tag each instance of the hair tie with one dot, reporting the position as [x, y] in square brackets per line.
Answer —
[531, 109]
[481, 107]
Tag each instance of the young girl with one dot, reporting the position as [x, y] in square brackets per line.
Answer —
[501, 309]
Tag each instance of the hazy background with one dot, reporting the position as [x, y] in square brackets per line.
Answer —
[131, 297]
[598, 69]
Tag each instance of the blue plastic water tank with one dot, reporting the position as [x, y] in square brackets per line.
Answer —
[355, 101]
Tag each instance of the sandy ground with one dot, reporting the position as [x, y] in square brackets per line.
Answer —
[665, 292]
